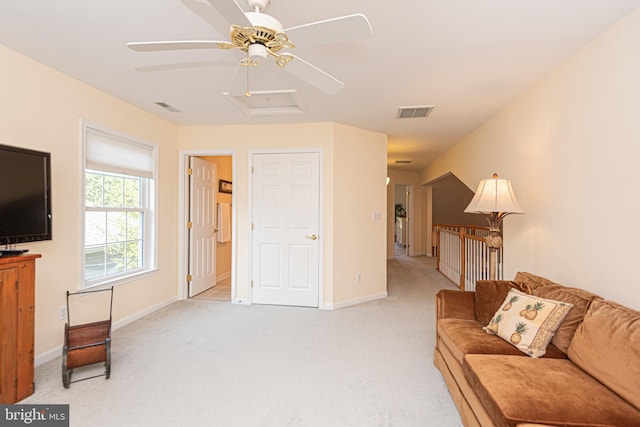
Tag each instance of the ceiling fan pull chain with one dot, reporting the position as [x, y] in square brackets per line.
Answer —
[247, 93]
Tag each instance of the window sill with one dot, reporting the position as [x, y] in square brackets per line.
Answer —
[117, 281]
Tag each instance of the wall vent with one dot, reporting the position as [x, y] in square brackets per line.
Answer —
[414, 112]
[403, 162]
[167, 107]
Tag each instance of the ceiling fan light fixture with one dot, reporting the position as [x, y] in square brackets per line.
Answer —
[257, 52]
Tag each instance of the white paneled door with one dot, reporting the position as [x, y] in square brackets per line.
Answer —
[285, 229]
[202, 223]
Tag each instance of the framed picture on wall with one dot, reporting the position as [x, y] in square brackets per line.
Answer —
[225, 186]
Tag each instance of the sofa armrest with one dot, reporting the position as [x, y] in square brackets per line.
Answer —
[456, 304]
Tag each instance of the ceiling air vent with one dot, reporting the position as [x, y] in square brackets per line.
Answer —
[167, 107]
[415, 112]
[403, 162]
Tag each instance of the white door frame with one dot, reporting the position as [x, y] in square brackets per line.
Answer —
[320, 153]
[183, 207]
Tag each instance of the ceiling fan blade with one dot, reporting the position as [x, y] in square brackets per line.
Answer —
[231, 11]
[344, 28]
[314, 76]
[208, 15]
[178, 45]
[184, 66]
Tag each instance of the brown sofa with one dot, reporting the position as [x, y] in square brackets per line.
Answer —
[589, 375]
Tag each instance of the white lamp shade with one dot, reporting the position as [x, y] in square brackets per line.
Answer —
[494, 195]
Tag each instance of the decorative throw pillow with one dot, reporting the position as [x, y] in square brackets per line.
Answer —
[528, 322]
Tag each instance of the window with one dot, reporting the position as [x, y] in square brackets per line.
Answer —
[119, 207]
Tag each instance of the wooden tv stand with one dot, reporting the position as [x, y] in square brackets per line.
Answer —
[17, 313]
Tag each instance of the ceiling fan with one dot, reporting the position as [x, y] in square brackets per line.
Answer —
[262, 36]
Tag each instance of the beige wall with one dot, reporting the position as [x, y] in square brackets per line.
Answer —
[342, 152]
[360, 170]
[42, 109]
[570, 146]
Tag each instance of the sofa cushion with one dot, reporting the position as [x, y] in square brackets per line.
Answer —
[490, 294]
[464, 337]
[580, 299]
[453, 303]
[528, 322]
[533, 281]
[607, 346]
[518, 390]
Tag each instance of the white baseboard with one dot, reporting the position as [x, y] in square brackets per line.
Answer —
[342, 304]
[139, 315]
[50, 355]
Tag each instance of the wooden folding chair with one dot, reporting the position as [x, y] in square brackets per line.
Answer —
[87, 343]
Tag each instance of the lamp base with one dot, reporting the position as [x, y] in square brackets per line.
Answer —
[494, 241]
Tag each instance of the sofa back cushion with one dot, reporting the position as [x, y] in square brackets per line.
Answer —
[533, 281]
[490, 295]
[580, 299]
[606, 345]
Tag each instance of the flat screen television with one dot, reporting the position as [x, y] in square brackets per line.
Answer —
[25, 196]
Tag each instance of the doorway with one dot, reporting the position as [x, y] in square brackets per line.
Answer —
[402, 219]
[207, 240]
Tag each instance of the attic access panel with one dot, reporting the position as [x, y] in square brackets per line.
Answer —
[266, 103]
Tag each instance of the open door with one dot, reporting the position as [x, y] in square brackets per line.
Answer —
[202, 226]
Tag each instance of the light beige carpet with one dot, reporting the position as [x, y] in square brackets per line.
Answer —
[204, 364]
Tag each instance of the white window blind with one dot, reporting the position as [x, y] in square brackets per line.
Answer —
[105, 153]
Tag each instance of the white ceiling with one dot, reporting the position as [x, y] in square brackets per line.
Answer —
[469, 58]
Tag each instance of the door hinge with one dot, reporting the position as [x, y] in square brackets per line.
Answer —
[252, 227]
[252, 283]
[251, 170]
[189, 225]
[189, 171]
[189, 278]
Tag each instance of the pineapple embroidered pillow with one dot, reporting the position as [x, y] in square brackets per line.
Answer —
[528, 322]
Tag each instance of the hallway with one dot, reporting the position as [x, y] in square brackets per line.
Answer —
[221, 292]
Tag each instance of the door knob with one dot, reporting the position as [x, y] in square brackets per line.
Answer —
[312, 237]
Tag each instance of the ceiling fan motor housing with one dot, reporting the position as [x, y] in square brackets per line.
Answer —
[260, 39]
[263, 20]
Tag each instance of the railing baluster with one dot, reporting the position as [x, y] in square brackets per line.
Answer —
[463, 256]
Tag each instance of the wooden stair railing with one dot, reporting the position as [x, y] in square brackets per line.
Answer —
[463, 255]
